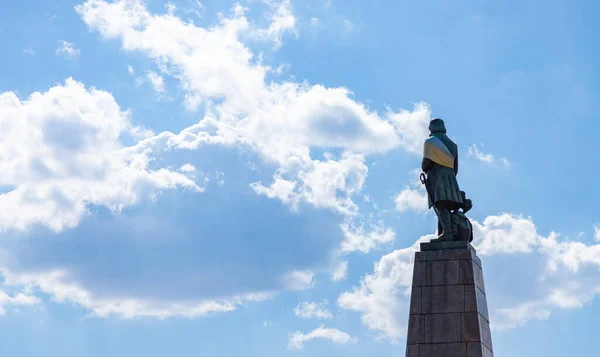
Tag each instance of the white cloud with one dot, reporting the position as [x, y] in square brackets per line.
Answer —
[356, 238]
[298, 280]
[61, 151]
[280, 120]
[298, 339]
[382, 297]
[19, 299]
[67, 49]
[412, 126]
[156, 81]
[597, 233]
[282, 21]
[340, 271]
[29, 51]
[504, 234]
[307, 310]
[473, 151]
[506, 163]
[414, 196]
[570, 255]
[58, 286]
[314, 21]
[130, 70]
[570, 275]
[413, 200]
[187, 168]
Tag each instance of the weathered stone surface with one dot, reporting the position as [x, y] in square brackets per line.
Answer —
[478, 277]
[482, 304]
[465, 268]
[442, 328]
[412, 350]
[439, 245]
[415, 300]
[448, 308]
[470, 298]
[442, 299]
[449, 254]
[416, 331]
[474, 349]
[444, 272]
[420, 274]
[486, 335]
[443, 350]
[470, 327]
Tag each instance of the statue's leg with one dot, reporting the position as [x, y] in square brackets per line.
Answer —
[444, 220]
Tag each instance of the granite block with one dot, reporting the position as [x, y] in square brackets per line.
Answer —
[450, 254]
[470, 327]
[416, 331]
[486, 335]
[444, 272]
[482, 304]
[442, 328]
[478, 277]
[448, 308]
[415, 300]
[412, 350]
[443, 350]
[443, 299]
[466, 272]
[420, 274]
[470, 298]
[445, 245]
[474, 349]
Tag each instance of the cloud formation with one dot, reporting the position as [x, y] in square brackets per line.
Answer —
[298, 339]
[312, 309]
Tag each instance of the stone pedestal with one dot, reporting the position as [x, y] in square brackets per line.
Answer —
[448, 308]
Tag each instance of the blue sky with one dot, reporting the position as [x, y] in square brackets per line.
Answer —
[221, 179]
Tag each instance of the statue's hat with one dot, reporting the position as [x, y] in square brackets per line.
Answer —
[437, 126]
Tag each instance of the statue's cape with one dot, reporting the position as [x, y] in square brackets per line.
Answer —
[436, 151]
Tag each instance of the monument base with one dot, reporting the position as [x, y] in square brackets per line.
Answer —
[448, 307]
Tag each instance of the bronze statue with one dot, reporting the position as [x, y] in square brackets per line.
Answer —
[440, 165]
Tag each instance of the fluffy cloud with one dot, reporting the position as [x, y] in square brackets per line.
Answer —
[298, 339]
[506, 233]
[382, 296]
[412, 126]
[19, 299]
[340, 271]
[312, 309]
[58, 286]
[299, 280]
[474, 151]
[412, 200]
[156, 81]
[357, 238]
[280, 120]
[561, 274]
[61, 151]
[414, 196]
[67, 49]
[282, 22]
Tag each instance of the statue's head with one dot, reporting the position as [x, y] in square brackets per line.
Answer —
[437, 126]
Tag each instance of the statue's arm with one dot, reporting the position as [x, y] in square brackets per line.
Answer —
[426, 164]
